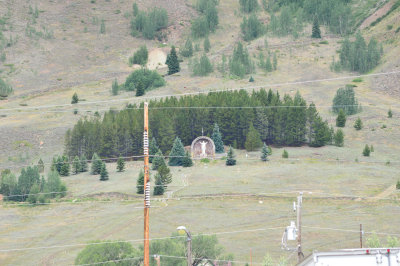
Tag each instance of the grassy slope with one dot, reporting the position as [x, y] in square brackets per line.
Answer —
[79, 223]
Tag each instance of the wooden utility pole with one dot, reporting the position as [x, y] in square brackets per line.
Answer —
[300, 254]
[146, 259]
[361, 235]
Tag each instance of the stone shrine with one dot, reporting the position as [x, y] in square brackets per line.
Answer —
[202, 147]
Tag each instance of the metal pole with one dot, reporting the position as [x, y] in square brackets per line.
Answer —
[299, 250]
[361, 233]
[189, 249]
[146, 259]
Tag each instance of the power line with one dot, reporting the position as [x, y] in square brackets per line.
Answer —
[348, 230]
[200, 92]
[138, 240]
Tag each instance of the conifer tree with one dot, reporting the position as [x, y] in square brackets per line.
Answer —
[268, 65]
[75, 98]
[172, 62]
[159, 186]
[341, 119]
[140, 183]
[207, 45]
[316, 32]
[65, 168]
[339, 138]
[153, 148]
[177, 153]
[139, 88]
[115, 87]
[187, 50]
[390, 114]
[264, 153]
[358, 125]
[285, 154]
[120, 164]
[103, 172]
[217, 138]
[102, 27]
[96, 164]
[40, 166]
[230, 160]
[251, 79]
[83, 163]
[158, 160]
[165, 174]
[253, 141]
[366, 150]
[275, 62]
[187, 160]
[76, 167]
[135, 9]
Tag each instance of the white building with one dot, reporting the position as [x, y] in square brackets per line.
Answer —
[354, 257]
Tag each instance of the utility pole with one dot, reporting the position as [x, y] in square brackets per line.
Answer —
[146, 259]
[361, 235]
[299, 250]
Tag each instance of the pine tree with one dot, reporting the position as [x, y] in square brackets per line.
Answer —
[172, 62]
[76, 167]
[165, 174]
[96, 164]
[40, 166]
[217, 138]
[120, 164]
[253, 140]
[177, 153]
[139, 88]
[83, 163]
[187, 160]
[75, 98]
[140, 183]
[264, 153]
[366, 150]
[390, 114]
[115, 87]
[65, 168]
[230, 160]
[135, 9]
[358, 125]
[251, 79]
[341, 119]
[207, 45]
[187, 51]
[268, 65]
[339, 138]
[103, 172]
[316, 32]
[153, 148]
[285, 154]
[275, 62]
[102, 27]
[158, 160]
[159, 186]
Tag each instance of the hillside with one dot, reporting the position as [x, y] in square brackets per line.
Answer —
[53, 49]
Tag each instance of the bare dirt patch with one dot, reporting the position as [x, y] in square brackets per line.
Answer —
[377, 14]
[157, 58]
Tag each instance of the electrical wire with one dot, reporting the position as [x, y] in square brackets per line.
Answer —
[139, 240]
[348, 230]
[200, 92]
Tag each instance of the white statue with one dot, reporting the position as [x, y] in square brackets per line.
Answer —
[203, 148]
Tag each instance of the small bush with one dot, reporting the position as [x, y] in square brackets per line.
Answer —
[366, 152]
[358, 125]
[398, 184]
[358, 80]
[205, 160]
[5, 89]
[390, 113]
[140, 57]
[323, 42]
[148, 78]
[389, 27]
[285, 154]
[202, 67]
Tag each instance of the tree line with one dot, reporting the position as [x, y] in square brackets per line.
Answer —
[280, 121]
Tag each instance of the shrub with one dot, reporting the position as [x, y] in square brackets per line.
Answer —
[5, 89]
[75, 98]
[148, 78]
[339, 138]
[102, 27]
[249, 6]
[240, 63]
[341, 119]
[149, 22]
[390, 113]
[251, 28]
[285, 154]
[200, 27]
[140, 57]
[398, 184]
[202, 67]
[207, 45]
[358, 80]
[187, 50]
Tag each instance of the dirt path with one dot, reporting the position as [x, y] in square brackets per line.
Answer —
[377, 14]
[385, 194]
